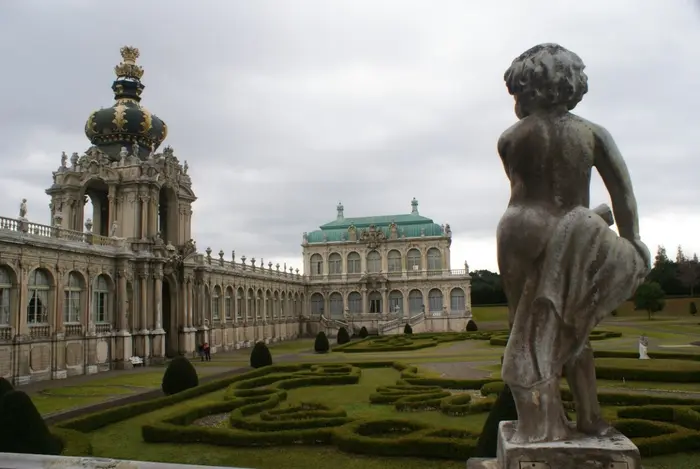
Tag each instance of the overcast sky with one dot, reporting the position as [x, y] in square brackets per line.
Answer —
[284, 108]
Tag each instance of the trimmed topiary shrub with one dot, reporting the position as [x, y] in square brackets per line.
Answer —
[471, 326]
[179, 376]
[503, 409]
[693, 308]
[5, 387]
[22, 430]
[343, 336]
[407, 329]
[321, 345]
[363, 332]
[260, 355]
[613, 313]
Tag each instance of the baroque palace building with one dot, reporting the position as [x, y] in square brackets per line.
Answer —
[81, 295]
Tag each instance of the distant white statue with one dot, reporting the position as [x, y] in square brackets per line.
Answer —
[23, 209]
[643, 346]
[115, 227]
[123, 153]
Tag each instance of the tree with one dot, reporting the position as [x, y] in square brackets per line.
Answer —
[321, 344]
[471, 326]
[407, 329]
[689, 272]
[693, 308]
[665, 273]
[179, 376]
[343, 336]
[260, 355]
[650, 297]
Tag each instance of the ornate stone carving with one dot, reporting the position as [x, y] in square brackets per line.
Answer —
[577, 269]
[372, 237]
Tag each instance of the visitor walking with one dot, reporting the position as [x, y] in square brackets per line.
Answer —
[207, 351]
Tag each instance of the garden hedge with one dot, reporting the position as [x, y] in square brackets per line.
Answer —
[258, 417]
[501, 339]
[411, 342]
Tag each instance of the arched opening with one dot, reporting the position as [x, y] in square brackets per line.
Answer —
[316, 265]
[354, 263]
[168, 216]
[216, 305]
[73, 299]
[457, 301]
[283, 306]
[415, 302]
[7, 297]
[335, 264]
[434, 259]
[375, 302]
[435, 300]
[38, 305]
[355, 303]
[374, 262]
[228, 303]
[413, 260]
[258, 306]
[276, 305]
[394, 260]
[269, 307]
[239, 304]
[316, 304]
[396, 302]
[250, 306]
[336, 306]
[98, 208]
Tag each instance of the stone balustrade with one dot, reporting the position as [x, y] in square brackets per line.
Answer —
[33, 461]
[35, 229]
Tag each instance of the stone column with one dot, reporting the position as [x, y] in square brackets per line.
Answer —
[385, 301]
[124, 345]
[144, 215]
[158, 333]
[58, 302]
[112, 213]
[365, 304]
[406, 313]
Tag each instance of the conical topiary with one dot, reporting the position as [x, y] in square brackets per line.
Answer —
[363, 332]
[5, 387]
[321, 345]
[22, 430]
[407, 329]
[471, 326]
[343, 336]
[260, 355]
[179, 376]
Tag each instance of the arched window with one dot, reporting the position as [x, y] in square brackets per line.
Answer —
[101, 302]
[269, 307]
[355, 303]
[38, 307]
[335, 264]
[239, 304]
[394, 259]
[250, 306]
[275, 305]
[375, 302]
[258, 305]
[374, 262]
[354, 263]
[415, 302]
[413, 260]
[228, 303]
[434, 259]
[283, 305]
[316, 304]
[395, 302]
[5, 292]
[336, 306]
[72, 298]
[457, 303]
[435, 300]
[215, 302]
[316, 265]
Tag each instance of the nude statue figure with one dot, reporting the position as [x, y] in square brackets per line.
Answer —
[563, 268]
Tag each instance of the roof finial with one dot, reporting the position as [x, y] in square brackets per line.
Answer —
[414, 207]
[128, 68]
[340, 211]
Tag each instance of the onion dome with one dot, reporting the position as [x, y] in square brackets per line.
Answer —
[126, 123]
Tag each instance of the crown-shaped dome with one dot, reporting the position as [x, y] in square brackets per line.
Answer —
[126, 122]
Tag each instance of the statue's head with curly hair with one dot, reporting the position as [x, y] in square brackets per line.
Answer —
[546, 77]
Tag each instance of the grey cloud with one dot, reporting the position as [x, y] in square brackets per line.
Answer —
[284, 108]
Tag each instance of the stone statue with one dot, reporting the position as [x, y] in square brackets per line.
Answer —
[185, 167]
[64, 160]
[563, 268]
[123, 153]
[23, 209]
[305, 237]
[115, 227]
[135, 149]
[643, 348]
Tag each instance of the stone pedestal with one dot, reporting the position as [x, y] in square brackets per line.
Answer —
[124, 350]
[615, 451]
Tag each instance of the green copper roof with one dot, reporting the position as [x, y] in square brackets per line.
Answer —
[411, 225]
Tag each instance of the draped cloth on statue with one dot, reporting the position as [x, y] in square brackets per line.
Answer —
[587, 271]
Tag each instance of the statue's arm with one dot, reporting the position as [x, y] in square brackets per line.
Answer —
[613, 170]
